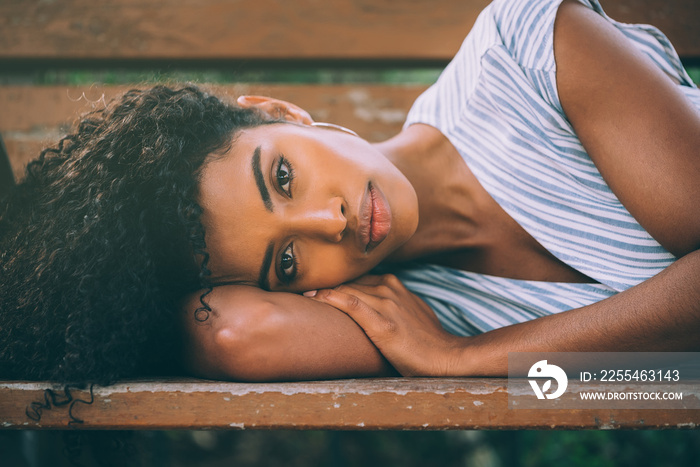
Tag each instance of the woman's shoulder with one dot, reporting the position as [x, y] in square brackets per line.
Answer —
[526, 29]
[527, 14]
[501, 39]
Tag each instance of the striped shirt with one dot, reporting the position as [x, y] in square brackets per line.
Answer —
[497, 103]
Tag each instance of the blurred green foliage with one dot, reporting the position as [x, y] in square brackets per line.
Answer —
[694, 73]
[671, 448]
[300, 75]
[287, 75]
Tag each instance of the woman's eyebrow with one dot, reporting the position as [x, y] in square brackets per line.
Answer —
[263, 276]
[260, 180]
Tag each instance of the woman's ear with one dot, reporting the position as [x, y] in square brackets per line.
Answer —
[276, 109]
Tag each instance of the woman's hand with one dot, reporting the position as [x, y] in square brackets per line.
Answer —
[402, 326]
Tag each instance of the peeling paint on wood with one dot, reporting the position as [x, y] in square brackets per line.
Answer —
[382, 403]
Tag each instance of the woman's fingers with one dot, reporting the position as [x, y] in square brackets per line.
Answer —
[358, 305]
[400, 324]
[385, 286]
[388, 289]
[365, 283]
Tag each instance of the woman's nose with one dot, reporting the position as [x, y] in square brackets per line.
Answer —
[325, 220]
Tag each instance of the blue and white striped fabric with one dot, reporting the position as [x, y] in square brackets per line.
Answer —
[497, 103]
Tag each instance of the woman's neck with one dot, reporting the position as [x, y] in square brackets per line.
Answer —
[453, 207]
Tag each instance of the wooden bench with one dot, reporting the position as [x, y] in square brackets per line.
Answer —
[369, 404]
[36, 37]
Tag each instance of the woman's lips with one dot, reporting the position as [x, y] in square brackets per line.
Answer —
[381, 217]
[375, 218]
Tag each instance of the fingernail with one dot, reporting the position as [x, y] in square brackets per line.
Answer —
[310, 293]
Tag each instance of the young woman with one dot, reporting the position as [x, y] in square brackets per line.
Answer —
[541, 197]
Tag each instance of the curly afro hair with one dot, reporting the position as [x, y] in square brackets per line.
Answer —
[102, 239]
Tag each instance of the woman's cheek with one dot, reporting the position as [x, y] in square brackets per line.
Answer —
[330, 268]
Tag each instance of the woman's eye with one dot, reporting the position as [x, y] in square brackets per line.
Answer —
[284, 176]
[288, 263]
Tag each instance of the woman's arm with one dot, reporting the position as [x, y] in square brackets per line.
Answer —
[644, 136]
[254, 335]
[639, 129]
[661, 314]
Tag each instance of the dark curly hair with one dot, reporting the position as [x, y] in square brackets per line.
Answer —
[102, 239]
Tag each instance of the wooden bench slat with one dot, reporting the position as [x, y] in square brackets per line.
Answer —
[383, 403]
[212, 29]
[33, 117]
[272, 29]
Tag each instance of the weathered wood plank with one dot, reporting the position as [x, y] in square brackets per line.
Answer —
[273, 29]
[33, 117]
[387, 403]
[249, 29]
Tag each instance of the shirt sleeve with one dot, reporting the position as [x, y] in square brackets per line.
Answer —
[526, 28]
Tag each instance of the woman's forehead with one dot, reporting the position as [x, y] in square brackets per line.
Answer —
[231, 214]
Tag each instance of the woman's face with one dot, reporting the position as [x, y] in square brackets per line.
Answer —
[292, 207]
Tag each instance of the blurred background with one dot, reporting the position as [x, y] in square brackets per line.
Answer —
[352, 449]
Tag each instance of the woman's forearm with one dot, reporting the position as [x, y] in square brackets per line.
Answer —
[660, 314]
[254, 335]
